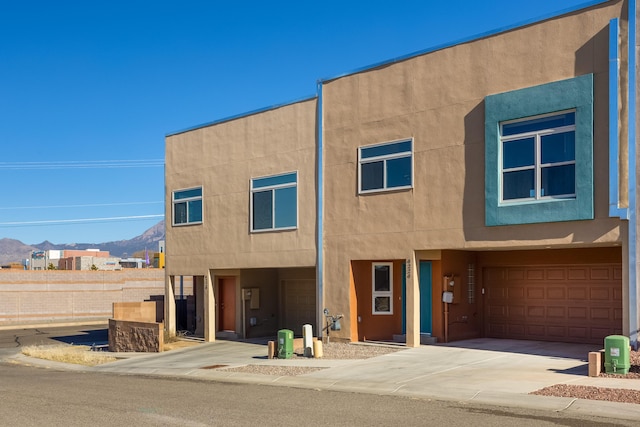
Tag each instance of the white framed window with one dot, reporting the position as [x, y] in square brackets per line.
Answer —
[274, 202]
[187, 206]
[387, 166]
[382, 288]
[538, 158]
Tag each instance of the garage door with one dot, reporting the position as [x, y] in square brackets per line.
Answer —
[569, 303]
[299, 304]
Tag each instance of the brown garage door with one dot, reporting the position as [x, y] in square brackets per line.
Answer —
[299, 304]
[569, 303]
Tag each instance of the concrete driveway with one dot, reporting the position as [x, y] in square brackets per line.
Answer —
[490, 371]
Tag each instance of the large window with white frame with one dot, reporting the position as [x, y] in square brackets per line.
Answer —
[274, 202]
[538, 157]
[382, 288]
[387, 166]
[187, 206]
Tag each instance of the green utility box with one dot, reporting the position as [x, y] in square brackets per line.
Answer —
[616, 355]
[285, 344]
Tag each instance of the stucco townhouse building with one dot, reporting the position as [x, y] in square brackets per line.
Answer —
[483, 188]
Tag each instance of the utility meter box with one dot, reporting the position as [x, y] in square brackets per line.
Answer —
[616, 355]
[285, 344]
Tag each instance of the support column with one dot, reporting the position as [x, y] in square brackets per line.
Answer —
[413, 301]
[170, 305]
[209, 308]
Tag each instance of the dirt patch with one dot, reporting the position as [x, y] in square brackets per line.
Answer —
[175, 345]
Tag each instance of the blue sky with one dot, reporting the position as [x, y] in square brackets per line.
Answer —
[89, 89]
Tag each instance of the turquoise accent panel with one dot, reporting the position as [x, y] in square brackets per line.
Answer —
[425, 297]
[575, 93]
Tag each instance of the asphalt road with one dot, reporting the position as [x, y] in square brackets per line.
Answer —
[33, 396]
[11, 340]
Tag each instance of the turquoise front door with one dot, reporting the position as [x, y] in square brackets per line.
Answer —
[425, 297]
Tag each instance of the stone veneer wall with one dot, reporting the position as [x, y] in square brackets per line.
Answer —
[126, 336]
[47, 296]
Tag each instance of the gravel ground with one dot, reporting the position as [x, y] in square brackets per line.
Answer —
[329, 351]
[600, 393]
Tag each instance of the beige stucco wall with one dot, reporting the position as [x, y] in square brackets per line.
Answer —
[438, 100]
[32, 297]
[222, 158]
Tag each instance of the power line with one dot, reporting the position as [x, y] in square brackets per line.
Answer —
[78, 221]
[82, 206]
[83, 164]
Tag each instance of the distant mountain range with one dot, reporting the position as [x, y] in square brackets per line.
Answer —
[12, 250]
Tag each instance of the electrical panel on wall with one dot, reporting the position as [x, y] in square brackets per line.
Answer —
[254, 301]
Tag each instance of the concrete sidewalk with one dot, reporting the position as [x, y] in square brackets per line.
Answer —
[483, 371]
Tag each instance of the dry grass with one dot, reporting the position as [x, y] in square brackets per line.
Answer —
[79, 355]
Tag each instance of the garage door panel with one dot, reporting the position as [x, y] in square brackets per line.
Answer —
[577, 274]
[599, 293]
[556, 293]
[602, 314]
[299, 303]
[617, 273]
[617, 295]
[571, 304]
[515, 274]
[515, 312]
[577, 313]
[617, 314]
[559, 332]
[557, 312]
[535, 274]
[536, 330]
[536, 311]
[498, 330]
[515, 293]
[600, 274]
[535, 292]
[576, 293]
[556, 274]
[516, 331]
[579, 332]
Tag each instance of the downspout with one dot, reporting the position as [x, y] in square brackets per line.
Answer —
[633, 226]
[615, 211]
[319, 215]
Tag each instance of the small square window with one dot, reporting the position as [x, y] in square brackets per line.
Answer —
[187, 206]
[385, 166]
[274, 202]
[382, 288]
